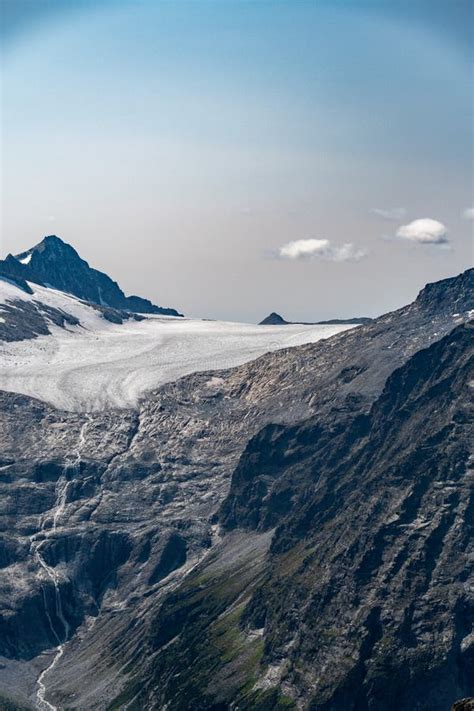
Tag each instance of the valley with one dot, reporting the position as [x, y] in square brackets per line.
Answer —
[207, 527]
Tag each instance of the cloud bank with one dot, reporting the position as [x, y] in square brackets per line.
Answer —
[392, 213]
[468, 213]
[306, 249]
[424, 231]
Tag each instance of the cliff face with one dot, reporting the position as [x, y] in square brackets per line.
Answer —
[364, 599]
[368, 600]
[275, 534]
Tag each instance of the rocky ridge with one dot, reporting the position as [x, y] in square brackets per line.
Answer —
[55, 263]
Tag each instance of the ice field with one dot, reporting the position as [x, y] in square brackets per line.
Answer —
[98, 365]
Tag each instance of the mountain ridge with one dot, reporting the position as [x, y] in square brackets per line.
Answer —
[341, 610]
[275, 319]
[178, 520]
[53, 262]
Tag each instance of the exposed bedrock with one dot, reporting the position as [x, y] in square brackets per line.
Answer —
[341, 559]
[364, 599]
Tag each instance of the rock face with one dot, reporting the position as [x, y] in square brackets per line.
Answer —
[291, 532]
[54, 263]
[370, 573]
[364, 599]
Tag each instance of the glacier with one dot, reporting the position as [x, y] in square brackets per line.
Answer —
[98, 365]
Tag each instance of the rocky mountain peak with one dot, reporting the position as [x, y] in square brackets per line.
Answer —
[53, 243]
[56, 254]
[57, 264]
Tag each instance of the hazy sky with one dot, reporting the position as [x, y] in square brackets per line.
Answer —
[232, 158]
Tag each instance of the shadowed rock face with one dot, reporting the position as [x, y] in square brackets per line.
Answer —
[311, 575]
[54, 263]
[364, 600]
[376, 531]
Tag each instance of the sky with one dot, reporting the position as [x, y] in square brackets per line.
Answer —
[231, 158]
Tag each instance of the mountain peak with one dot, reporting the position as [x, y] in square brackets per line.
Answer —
[273, 319]
[51, 245]
[55, 263]
[52, 239]
[53, 242]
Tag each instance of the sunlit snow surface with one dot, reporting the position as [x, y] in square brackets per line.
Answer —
[99, 365]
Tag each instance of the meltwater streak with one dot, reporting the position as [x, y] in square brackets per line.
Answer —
[36, 542]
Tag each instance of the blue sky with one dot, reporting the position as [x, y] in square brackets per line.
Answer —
[180, 145]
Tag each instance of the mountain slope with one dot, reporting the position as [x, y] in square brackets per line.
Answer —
[273, 319]
[54, 263]
[28, 310]
[364, 600]
[123, 506]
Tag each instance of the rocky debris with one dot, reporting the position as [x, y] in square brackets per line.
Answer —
[125, 505]
[55, 263]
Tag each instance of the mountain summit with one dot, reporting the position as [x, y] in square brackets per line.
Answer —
[55, 263]
[273, 319]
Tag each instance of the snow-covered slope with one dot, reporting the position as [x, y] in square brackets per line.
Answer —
[10, 293]
[97, 364]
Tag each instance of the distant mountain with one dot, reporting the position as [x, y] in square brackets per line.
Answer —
[275, 319]
[56, 264]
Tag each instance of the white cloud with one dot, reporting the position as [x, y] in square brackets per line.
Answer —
[424, 231]
[468, 213]
[302, 249]
[391, 213]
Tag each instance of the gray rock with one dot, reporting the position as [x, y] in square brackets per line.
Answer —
[124, 508]
[55, 263]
